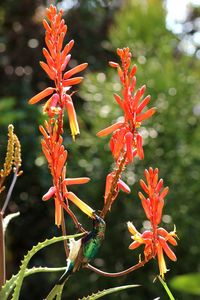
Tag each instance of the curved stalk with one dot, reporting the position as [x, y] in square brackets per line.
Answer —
[117, 274]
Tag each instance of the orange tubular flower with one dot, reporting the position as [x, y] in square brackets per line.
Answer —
[156, 239]
[125, 136]
[57, 58]
[121, 185]
[56, 156]
[126, 141]
[80, 204]
[72, 116]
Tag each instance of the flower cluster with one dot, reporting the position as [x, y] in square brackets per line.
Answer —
[58, 99]
[125, 143]
[156, 239]
[56, 155]
[126, 140]
[57, 59]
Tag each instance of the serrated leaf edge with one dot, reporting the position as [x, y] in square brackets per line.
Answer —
[9, 285]
[105, 292]
[29, 255]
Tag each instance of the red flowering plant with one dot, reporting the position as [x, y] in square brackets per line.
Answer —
[125, 145]
[57, 58]
[157, 238]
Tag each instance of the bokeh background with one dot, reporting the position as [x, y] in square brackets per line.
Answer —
[164, 37]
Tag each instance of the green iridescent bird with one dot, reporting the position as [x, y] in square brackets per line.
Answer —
[82, 252]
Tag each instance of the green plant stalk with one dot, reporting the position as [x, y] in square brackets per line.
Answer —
[2, 253]
[171, 297]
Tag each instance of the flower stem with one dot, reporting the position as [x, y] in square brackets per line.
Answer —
[64, 233]
[10, 191]
[117, 274]
[171, 297]
[73, 217]
[2, 253]
[2, 235]
[108, 200]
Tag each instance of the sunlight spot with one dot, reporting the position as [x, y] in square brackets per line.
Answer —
[33, 43]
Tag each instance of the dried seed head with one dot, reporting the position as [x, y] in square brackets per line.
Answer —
[13, 154]
[7, 167]
[17, 152]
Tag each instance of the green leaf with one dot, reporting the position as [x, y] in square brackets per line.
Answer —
[10, 284]
[56, 292]
[7, 220]
[30, 254]
[109, 291]
[187, 283]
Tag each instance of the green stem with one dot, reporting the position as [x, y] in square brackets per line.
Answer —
[164, 284]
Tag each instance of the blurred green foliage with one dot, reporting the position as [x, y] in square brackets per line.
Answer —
[171, 137]
[188, 283]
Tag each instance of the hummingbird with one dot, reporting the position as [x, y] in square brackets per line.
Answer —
[82, 252]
